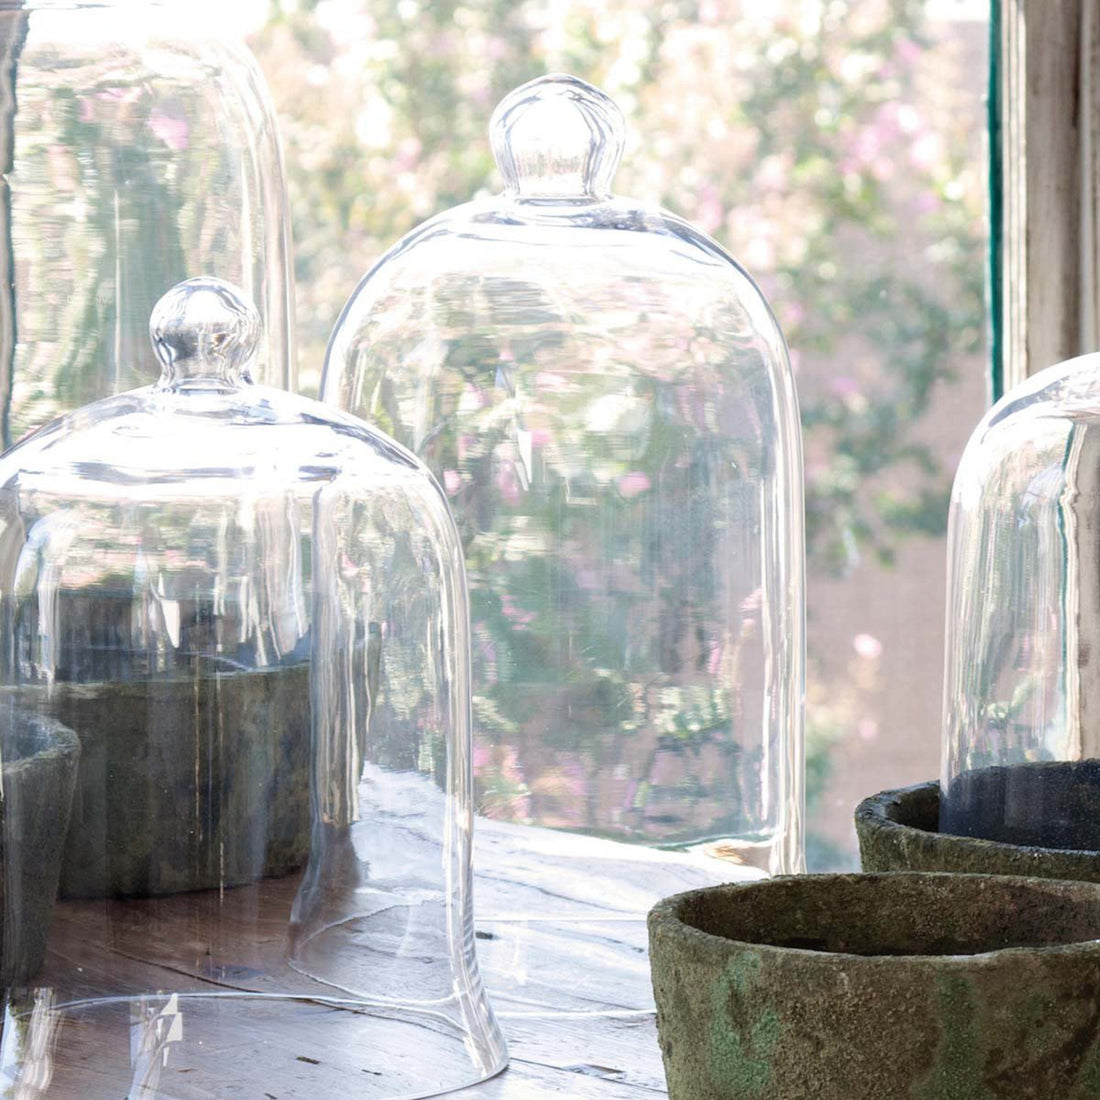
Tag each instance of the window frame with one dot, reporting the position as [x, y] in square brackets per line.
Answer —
[1044, 124]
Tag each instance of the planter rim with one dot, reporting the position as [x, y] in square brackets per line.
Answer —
[55, 740]
[881, 810]
[666, 917]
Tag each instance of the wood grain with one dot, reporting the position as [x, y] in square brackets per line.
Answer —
[568, 976]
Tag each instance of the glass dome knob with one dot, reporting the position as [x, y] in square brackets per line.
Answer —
[204, 330]
[557, 137]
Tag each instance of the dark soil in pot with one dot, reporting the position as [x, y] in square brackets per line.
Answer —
[900, 831]
[1049, 804]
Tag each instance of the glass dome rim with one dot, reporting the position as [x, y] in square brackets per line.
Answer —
[145, 405]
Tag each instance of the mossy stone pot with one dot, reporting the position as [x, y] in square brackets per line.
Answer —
[899, 831]
[39, 775]
[137, 780]
[228, 746]
[880, 987]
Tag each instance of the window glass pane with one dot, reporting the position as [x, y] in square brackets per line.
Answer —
[836, 147]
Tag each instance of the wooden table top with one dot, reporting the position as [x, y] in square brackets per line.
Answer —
[566, 967]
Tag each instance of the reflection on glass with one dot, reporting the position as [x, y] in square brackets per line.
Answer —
[235, 622]
[836, 151]
[1021, 759]
[607, 402]
[137, 145]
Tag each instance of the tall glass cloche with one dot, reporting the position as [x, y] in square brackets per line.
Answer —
[607, 401]
[138, 145]
[1021, 754]
[235, 738]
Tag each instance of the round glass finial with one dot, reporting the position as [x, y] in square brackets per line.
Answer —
[557, 137]
[205, 329]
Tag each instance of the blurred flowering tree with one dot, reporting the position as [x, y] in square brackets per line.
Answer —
[787, 129]
[810, 137]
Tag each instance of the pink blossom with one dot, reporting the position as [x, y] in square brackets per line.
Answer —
[482, 758]
[883, 169]
[709, 212]
[452, 482]
[927, 202]
[844, 386]
[868, 729]
[569, 787]
[508, 484]
[773, 174]
[510, 765]
[907, 51]
[513, 614]
[867, 646]
[794, 313]
[174, 132]
[407, 155]
[634, 484]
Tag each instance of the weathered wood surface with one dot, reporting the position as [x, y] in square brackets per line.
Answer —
[561, 952]
[573, 990]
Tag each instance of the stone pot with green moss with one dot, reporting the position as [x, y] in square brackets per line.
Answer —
[38, 774]
[880, 987]
[899, 831]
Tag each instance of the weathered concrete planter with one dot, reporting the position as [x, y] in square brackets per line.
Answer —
[138, 804]
[897, 831]
[39, 773]
[880, 987]
[185, 783]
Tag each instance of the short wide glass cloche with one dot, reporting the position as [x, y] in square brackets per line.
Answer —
[235, 743]
[607, 400]
[1021, 752]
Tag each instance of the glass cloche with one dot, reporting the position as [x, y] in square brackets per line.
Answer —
[235, 735]
[137, 146]
[607, 401]
[1021, 755]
